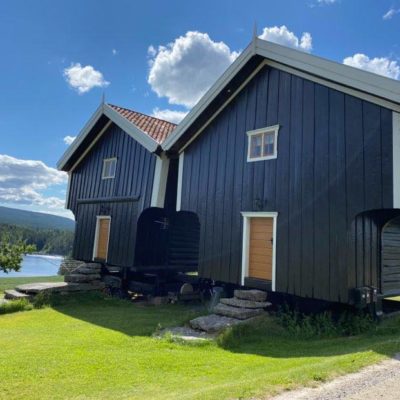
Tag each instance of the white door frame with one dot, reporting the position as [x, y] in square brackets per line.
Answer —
[96, 235]
[247, 215]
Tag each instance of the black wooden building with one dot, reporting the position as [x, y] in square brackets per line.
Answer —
[289, 166]
[291, 163]
[122, 192]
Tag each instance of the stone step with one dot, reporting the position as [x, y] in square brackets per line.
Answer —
[12, 294]
[86, 270]
[42, 286]
[213, 323]
[4, 301]
[236, 312]
[77, 278]
[234, 302]
[251, 294]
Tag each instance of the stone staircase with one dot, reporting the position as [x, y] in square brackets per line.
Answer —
[243, 307]
[84, 277]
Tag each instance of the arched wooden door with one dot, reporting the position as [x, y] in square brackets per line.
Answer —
[390, 270]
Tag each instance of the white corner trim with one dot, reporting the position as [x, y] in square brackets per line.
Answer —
[246, 242]
[396, 160]
[160, 181]
[68, 190]
[269, 129]
[180, 177]
[96, 235]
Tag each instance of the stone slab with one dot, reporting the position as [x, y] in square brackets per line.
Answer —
[3, 301]
[41, 287]
[186, 333]
[12, 294]
[252, 294]
[213, 323]
[236, 312]
[85, 270]
[77, 278]
[234, 302]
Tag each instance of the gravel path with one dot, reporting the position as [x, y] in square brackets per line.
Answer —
[381, 381]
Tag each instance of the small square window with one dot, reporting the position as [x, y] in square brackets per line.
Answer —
[262, 143]
[109, 167]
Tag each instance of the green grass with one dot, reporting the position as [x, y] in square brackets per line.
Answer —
[88, 347]
[10, 283]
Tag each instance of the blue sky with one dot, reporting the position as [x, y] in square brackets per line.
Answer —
[59, 57]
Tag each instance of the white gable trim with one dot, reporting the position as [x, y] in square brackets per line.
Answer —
[104, 109]
[160, 181]
[180, 178]
[354, 81]
[396, 160]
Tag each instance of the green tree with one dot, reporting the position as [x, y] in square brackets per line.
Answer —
[11, 254]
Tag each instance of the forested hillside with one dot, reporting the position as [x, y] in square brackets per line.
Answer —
[47, 241]
[32, 219]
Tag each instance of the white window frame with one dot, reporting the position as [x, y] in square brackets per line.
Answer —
[247, 215]
[269, 129]
[103, 167]
[96, 235]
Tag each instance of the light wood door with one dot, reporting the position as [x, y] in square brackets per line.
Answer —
[102, 238]
[261, 247]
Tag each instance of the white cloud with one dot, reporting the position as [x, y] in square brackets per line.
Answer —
[283, 36]
[391, 13]
[69, 139]
[382, 66]
[83, 79]
[23, 181]
[327, 1]
[114, 52]
[183, 70]
[174, 116]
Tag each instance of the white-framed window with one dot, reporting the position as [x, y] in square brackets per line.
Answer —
[263, 143]
[109, 167]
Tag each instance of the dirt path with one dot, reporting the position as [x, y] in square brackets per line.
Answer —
[381, 381]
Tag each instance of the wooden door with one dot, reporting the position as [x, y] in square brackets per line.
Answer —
[102, 238]
[261, 247]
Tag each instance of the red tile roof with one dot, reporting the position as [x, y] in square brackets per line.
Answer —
[156, 128]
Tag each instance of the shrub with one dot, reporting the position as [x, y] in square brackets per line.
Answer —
[15, 306]
[323, 324]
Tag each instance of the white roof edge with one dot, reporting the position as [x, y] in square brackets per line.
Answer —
[364, 81]
[104, 109]
[210, 95]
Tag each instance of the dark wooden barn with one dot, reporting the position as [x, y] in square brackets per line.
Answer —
[122, 191]
[291, 163]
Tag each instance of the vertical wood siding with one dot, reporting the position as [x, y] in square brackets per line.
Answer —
[133, 178]
[334, 162]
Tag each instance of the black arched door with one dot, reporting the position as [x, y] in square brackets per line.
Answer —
[390, 272]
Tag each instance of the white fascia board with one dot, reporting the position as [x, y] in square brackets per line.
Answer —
[374, 86]
[141, 137]
[82, 134]
[104, 109]
[396, 160]
[330, 70]
[210, 95]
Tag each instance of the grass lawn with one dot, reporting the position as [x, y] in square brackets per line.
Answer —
[87, 347]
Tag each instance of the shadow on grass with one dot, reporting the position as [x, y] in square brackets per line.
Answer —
[264, 338]
[124, 316]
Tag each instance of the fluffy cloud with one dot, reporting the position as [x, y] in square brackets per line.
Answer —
[174, 116]
[283, 36]
[69, 139]
[382, 66]
[327, 1]
[83, 79]
[21, 182]
[183, 70]
[391, 13]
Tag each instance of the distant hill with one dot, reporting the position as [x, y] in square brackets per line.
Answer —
[34, 219]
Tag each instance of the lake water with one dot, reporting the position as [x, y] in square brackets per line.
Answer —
[37, 265]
